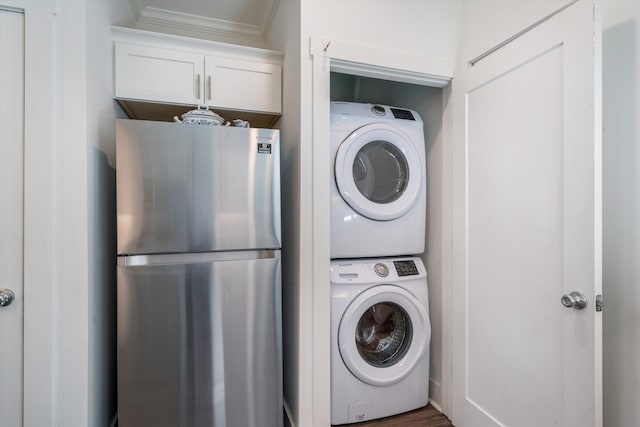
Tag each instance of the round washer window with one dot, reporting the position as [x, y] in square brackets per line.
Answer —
[376, 334]
[380, 172]
[383, 334]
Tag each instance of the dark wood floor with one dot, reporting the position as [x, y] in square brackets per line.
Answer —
[425, 417]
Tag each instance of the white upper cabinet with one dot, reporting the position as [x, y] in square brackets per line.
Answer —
[160, 68]
[158, 75]
[234, 84]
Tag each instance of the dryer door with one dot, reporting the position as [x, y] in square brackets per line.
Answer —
[383, 334]
[378, 172]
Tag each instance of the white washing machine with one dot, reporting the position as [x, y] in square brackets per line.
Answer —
[380, 333]
[379, 185]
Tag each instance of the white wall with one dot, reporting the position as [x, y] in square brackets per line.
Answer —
[85, 230]
[85, 212]
[71, 246]
[102, 111]
[423, 29]
[285, 37]
[487, 23]
[621, 200]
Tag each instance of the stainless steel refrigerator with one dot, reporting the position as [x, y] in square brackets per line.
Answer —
[199, 287]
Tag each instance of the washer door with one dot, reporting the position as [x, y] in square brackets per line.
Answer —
[378, 172]
[382, 335]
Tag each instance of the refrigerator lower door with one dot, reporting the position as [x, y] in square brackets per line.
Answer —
[199, 341]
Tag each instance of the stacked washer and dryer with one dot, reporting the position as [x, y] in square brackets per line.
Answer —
[380, 327]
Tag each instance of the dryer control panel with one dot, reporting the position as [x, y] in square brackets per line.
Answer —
[352, 115]
[398, 113]
[402, 114]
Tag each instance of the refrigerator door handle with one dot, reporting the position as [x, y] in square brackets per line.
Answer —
[189, 258]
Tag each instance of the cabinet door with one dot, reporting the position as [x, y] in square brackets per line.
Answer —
[243, 85]
[527, 225]
[160, 75]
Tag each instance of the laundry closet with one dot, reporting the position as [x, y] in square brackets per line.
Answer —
[427, 102]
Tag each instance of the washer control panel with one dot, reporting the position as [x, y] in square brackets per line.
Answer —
[378, 110]
[406, 268]
[381, 270]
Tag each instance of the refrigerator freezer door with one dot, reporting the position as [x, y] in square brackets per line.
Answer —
[199, 343]
[193, 188]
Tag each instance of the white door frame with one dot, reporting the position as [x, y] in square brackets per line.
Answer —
[346, 57]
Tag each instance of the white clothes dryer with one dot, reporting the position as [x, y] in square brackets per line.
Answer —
[380, 333]
[379, 185]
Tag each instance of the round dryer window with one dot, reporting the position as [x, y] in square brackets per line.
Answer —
[381, 172]
[378, 172]
[383, 334]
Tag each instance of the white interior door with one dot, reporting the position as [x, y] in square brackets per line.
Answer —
[527, 221]
[11, 215]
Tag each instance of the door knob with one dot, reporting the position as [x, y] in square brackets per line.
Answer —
[575, 300]
[6, 297]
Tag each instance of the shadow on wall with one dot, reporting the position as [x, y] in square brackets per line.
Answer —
[104, 276]
[290, 181]
[620, 225]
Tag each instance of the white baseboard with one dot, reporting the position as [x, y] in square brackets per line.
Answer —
[435, 394]
[435, 405]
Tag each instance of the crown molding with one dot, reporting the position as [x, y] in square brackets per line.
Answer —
[267, 14]
[136, 8]
[207, 27]
[200, 24]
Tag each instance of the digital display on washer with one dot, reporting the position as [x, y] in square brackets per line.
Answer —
[406, 268]
[402, 114]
